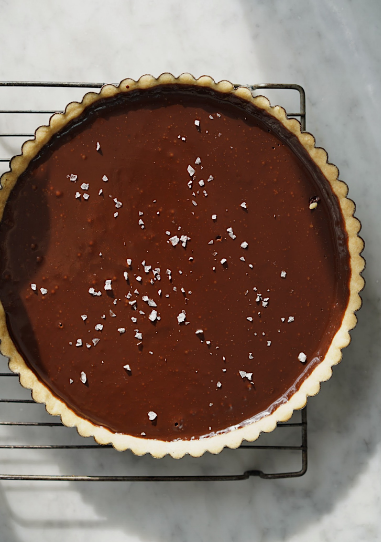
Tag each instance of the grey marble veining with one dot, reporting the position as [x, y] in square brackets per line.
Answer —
[332, 49]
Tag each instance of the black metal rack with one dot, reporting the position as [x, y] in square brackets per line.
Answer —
[10, 403]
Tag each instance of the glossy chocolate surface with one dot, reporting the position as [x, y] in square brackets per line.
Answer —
[233, 276]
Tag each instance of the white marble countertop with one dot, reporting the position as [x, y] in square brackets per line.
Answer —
[332, 48]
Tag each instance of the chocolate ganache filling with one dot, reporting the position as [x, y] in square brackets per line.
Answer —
[162, 270]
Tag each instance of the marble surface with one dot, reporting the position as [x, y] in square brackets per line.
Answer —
[332, 49]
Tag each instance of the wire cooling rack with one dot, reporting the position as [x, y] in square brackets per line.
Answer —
[21, 435]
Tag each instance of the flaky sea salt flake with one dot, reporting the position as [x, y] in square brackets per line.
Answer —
[122, 330]
[302, 357]
[244, 205]
[79, 342]
[72, 177]
[86, 196]
[181, 317]
[85, 186]
[77, 195]
[244, 374]
[83, 377]
[108, 285]
[104, 179]
[283, 274]
[230, 232]
[153, 316]
[174, 240]
[245, 244]
[184, 239]
[98, 327]
[34, 287]
[150, 302]
[190, 170]
[152, 415]
[44, 291]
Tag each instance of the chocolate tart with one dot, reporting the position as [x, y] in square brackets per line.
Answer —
[180, 266]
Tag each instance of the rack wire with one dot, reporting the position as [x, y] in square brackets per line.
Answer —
[7, 404]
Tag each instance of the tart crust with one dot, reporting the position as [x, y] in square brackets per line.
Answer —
[311, 384]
